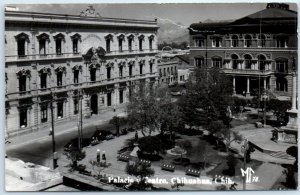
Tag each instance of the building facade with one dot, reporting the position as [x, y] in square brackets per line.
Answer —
[167, 69]
[258, 51]
[69, 59]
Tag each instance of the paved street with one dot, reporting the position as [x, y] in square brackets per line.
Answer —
[37, 147]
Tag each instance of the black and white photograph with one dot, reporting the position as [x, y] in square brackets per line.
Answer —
[150, 97]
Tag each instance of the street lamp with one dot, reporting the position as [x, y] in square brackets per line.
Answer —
[265, 97]
[244, 149]
[98, 155]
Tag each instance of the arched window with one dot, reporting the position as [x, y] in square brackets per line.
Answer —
[261, 62]
[151, 38]
[217, 62]
[248, 61]
[22, 38]
[43, 39]
[75, 39]
[281, 65]
[234, 41]
[234, 60]
[130, 41]
[58, 43]
[262, 40]
[141, 39]
[199, 62]
[281, 84]
[248, 41]
[108, 40]
[120, 41]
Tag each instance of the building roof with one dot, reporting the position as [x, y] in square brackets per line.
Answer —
[184, 58]
[274, 14]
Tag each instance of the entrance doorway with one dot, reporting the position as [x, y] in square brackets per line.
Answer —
[94, 104]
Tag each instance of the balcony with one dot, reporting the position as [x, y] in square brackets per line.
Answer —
[247, 71]
[41, 56]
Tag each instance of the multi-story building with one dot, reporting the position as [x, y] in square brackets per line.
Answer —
[258, 51]
[68, 58]
[167, 69]
[184, 68]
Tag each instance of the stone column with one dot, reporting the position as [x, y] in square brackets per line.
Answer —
[233, 81]
[248, 87]
[294, 93]
[265, 83]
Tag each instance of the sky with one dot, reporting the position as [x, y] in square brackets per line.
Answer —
[183, 13]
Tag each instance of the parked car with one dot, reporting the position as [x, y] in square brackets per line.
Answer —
[74, 143]
[101, 134]
[109, 137]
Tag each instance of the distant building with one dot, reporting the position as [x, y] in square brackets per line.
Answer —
[65, 57]
[258, 51]
[167, 69]
[184, 68]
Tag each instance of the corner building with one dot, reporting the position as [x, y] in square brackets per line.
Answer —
[258, 51]
[69, 58]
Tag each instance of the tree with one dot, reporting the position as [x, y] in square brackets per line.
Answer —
[75, 154]
[231, 163]
[293, 151]
[208, 95]
[143, 108]
[98, 167]
[141, 171]
[150, 144]
[118, 121]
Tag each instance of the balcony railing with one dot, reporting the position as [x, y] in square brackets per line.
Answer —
[247, 71]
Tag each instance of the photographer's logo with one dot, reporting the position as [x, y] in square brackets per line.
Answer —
[248, 173]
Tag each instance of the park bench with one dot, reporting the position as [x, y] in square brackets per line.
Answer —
[85, 172]
[168, 167]
[193, 172]
[123, 157]
[145, 162]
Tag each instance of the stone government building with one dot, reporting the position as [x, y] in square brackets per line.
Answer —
[66, 57]
[258, 51]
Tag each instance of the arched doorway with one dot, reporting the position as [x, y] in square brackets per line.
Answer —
[94, 104]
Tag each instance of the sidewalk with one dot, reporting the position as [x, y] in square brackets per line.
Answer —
[61, 128]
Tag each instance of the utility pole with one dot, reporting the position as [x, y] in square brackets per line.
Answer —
[52, 133]
[79, 120]
[244, 149]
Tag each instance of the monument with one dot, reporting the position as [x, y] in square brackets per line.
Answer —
[289, 133]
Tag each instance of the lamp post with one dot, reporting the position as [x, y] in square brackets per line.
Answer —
[98, 155]
[52, 133]
[264, 99]
[244, 149]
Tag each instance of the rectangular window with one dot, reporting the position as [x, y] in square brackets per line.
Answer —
[281, 66]
[108, 99]
[23, 117]
[21, 48]
[60, 110]
[76, 76]
[108, 70]
[199, 42]
[44, 113]
[93, 74]
[130, 70]
[130, 44]
[76, 106]
[281, 42]
[58, 47]
[217, 42]
[44, 80]
[107, 45]
[120, 45]
[75, 46]
[151, 67]
[22, 83]
[42, 50]
[59, 78]
[150, 44]
[217, 63]
[141, 69]
[199, 62]
[141, 44]
[121, 71]
[121, 95]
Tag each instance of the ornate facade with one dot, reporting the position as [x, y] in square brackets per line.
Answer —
[66, 58]
[258, 51]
